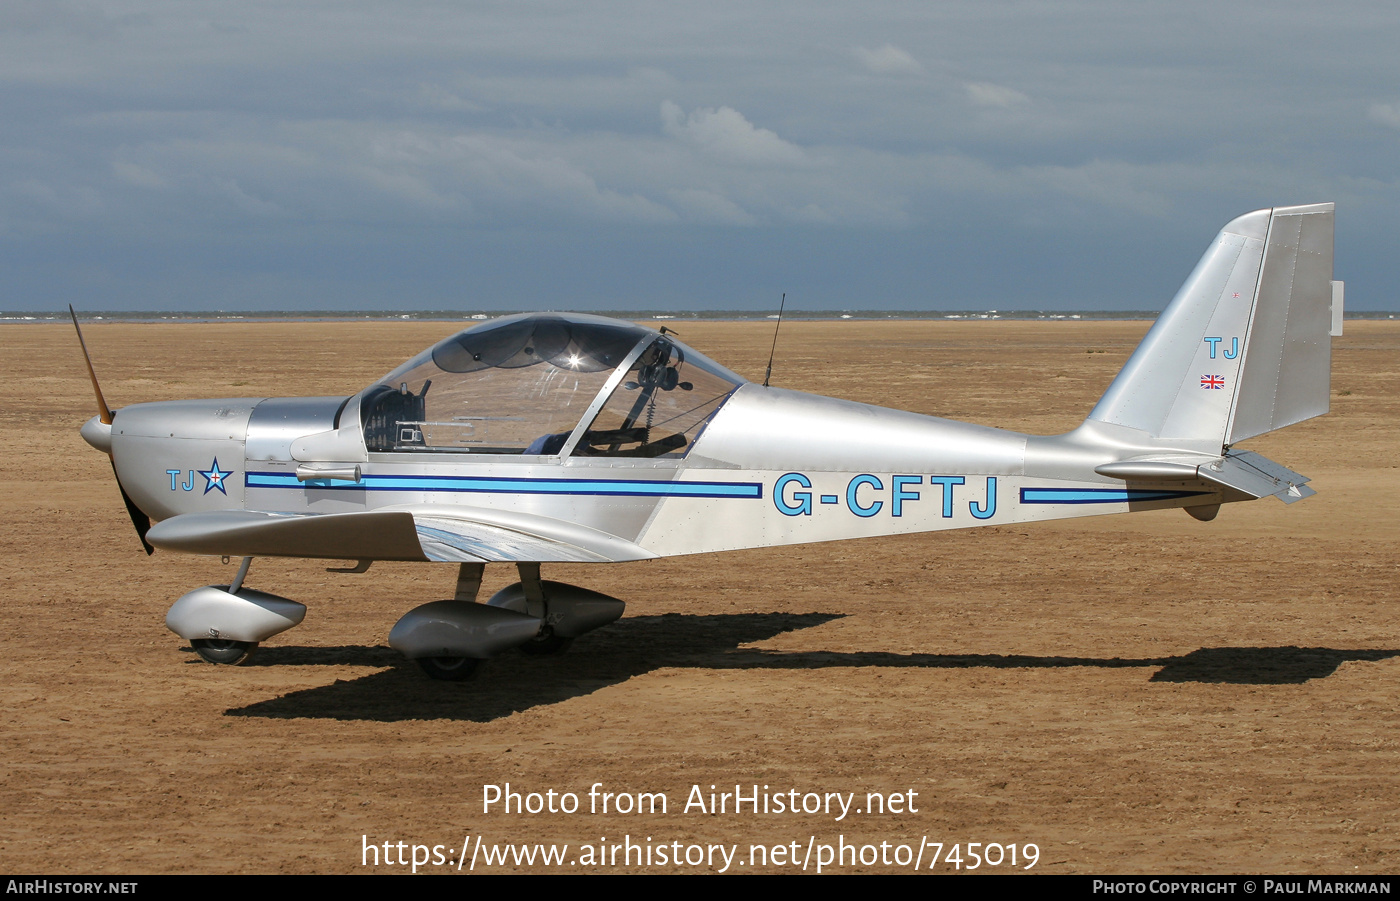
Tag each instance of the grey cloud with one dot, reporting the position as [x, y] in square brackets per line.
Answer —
[73, 17]
[942, 135]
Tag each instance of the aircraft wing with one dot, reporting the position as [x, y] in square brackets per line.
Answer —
[456, 534]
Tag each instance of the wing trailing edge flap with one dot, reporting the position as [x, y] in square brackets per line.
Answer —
[446, 534]
[1244, 471]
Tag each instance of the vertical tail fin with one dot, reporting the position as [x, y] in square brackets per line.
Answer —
[1244, 347]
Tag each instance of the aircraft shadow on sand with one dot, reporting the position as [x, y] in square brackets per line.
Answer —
[639, 645]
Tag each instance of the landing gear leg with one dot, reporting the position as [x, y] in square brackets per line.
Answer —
[240, 575]
[469, 581]
[536, 604]
[447, 638]
[222, 650]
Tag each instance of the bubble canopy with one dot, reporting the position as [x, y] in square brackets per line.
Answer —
[548, 384]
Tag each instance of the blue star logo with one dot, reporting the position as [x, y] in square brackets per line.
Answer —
[214, 477]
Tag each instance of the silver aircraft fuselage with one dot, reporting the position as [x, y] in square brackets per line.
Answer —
[772, 467]
[550, 437]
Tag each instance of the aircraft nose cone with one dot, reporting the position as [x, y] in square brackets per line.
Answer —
[98, 434]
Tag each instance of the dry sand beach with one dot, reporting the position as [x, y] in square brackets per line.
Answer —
[1130, 694]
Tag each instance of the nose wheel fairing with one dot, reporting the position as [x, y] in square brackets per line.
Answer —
[225, 623]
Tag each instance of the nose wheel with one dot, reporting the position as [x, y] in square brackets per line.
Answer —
[222, 650]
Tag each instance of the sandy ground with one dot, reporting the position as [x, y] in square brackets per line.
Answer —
[1139, 693]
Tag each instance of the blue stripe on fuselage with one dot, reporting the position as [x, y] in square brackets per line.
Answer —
[479, 485]
[1099, 495]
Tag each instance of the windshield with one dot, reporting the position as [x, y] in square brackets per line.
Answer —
[523, 384]
[668, 395]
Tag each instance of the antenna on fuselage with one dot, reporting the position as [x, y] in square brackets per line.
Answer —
[776, 326]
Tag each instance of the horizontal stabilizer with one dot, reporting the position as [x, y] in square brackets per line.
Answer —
[1244, 471]
[1257, 475]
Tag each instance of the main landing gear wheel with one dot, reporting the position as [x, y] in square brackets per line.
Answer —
[546, 644]
[449, 669]
[222, 650]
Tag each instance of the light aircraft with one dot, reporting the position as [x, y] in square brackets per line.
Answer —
[549, 437]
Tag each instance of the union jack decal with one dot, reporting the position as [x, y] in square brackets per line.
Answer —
[1213, 381]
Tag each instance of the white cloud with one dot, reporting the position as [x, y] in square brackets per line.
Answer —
[711, 208]
[136, 175]
[725, 133]
[888, 60]
[235, 194]
[986, 94]
[435, 96]
[813, 214]
[1385, 114]
[497, 175]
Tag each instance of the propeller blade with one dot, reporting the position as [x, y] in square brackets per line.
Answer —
[140, 520]
[104, 412]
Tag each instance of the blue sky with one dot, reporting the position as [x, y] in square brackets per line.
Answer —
[613, 155]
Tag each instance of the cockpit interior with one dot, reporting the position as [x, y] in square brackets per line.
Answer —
[548, 384]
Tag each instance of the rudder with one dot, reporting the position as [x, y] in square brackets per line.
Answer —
[1287, 375]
